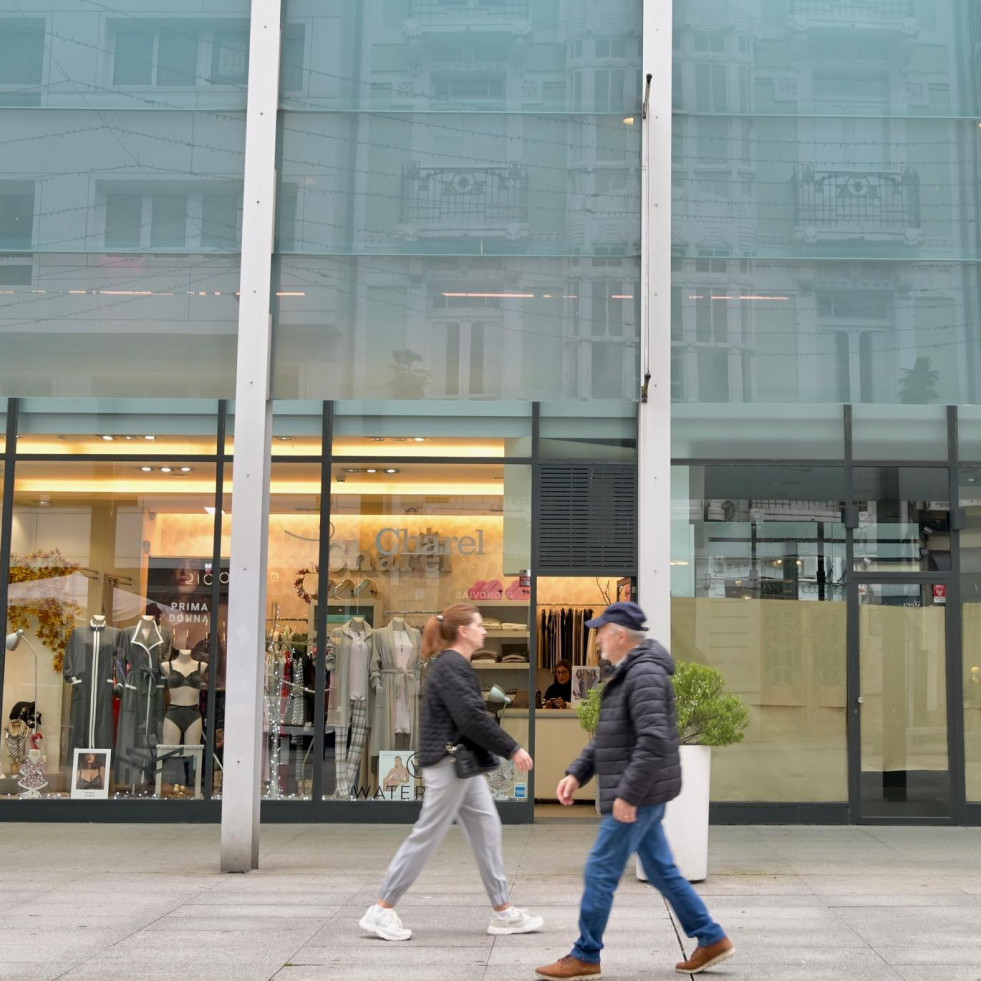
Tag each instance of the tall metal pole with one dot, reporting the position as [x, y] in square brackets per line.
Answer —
[654, 418]
[253, 447]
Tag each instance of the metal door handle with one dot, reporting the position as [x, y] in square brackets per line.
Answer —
[861, 699]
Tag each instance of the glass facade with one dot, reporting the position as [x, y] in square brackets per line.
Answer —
[456, 325]
[823, 325]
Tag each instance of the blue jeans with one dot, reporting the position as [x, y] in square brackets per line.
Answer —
[615, 844]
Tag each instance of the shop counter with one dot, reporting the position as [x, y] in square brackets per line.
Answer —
[559, 738]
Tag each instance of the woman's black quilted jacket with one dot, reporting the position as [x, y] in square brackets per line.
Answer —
[635, 750]
[453, 709]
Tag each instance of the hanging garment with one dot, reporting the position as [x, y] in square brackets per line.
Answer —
[142, 708]
[90, 669]
[394, 680]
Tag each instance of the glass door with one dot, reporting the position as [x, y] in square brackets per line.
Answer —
[902, 700]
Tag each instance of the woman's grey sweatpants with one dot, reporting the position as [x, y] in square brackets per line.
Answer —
[448, 797]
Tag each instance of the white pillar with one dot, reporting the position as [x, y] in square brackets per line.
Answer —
[654, 423]
[253, 437]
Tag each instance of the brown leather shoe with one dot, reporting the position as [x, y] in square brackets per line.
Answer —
[569, 968]
[704, 957]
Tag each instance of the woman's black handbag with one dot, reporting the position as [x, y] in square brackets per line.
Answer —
[470, 760]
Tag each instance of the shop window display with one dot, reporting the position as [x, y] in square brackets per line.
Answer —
[406, 540]
[110, 607]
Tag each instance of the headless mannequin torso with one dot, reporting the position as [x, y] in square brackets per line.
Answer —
[184, 677]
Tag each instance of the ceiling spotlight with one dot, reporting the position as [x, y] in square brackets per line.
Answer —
[350, 470]
[377, 439]
[108, 439]
[166, 469]
[371, 470]
[150, 437]
[147, 469]
[185, 469]
[419, 439]
[391, 470]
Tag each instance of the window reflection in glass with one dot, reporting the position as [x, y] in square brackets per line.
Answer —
[758, 585]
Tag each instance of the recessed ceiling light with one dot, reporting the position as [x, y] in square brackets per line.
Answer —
[108, 439]
[419, 439]
[150, 437]
[391, 470]
[147, 469]
[166, 469]
[377, 439]
[351, 470]
[185, 469]
[371, 470]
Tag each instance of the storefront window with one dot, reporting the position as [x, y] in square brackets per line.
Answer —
[406, 540]
[111, 601]
[758, 586]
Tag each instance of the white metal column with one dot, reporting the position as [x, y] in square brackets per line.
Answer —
[253, 438]
[654, 422]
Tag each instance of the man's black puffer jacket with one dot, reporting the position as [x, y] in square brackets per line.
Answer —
[635, 750]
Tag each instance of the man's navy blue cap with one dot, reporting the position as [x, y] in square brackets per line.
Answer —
[628, 615]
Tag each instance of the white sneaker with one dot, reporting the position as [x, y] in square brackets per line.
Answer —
[385, 923]
[514, 920]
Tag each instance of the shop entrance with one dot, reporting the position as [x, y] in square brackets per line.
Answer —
[899, 750]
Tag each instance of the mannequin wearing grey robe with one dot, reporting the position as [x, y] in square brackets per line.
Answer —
[348, 660]
[90, 669]
[390, 684]
[142, 709]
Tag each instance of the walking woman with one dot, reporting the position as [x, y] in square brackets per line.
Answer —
[453, 711]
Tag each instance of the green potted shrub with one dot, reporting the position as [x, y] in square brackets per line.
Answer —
[707, 716]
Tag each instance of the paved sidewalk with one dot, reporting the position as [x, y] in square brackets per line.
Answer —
[140, 902]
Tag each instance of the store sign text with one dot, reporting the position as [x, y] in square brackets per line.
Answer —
[400, 541]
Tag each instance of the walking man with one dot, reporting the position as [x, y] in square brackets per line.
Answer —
[635, 756]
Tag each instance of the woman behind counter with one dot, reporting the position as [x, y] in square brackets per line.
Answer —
[559, 693]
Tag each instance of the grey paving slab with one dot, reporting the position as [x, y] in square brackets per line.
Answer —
[949, 927]
[950, 972]
[386, 956]
[454, 970]
[911, 955]
[112, 966]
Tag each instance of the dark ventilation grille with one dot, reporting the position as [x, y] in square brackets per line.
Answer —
[587, 520]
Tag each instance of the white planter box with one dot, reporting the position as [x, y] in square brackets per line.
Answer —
[686, 821]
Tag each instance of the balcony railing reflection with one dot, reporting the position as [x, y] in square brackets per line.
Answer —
[888, 14]
[448, 199]
[448, 10]
[856, 204]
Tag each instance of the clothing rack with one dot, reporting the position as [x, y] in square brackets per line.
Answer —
[411, 613]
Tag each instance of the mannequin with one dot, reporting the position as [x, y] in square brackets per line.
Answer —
[348, 699]
[90, 669]
[394, 679]
[144, 646]
[184, 677]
